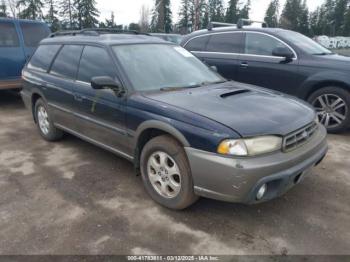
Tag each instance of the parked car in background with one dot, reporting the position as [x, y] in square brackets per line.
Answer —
[281, 60]
[18, 40]
[189, 131]
[174, 38]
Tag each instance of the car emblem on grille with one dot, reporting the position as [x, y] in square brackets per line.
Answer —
[305, 134]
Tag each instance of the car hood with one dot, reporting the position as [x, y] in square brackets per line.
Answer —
[335, 59]
[246, 109]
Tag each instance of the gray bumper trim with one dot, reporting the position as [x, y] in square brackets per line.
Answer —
[236, 180]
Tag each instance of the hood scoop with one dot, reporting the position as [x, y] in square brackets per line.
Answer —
[235, 92]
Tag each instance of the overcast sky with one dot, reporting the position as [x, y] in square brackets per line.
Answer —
[128, 11]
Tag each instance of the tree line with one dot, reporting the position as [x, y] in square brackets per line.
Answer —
[331, 18]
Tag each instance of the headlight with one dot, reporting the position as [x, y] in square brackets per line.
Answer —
[250, 146]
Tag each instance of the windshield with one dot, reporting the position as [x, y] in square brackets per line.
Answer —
[159, 66]
[304, 43]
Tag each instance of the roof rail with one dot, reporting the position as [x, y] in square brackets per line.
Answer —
[242, 22]
[95, 32]
[212, 25]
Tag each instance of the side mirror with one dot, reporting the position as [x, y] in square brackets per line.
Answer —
[214, 68]
[283, 52]
[104, 82]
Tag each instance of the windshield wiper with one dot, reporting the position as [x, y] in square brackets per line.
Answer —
[324, 53]
[192, 86]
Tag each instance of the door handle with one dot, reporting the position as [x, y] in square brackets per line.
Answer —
[78, 98]
[244, 65]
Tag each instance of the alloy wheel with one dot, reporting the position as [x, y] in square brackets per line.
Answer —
[331, 110]
[43, 120]
[164, 174]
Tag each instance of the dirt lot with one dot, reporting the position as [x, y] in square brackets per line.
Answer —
[74, 198]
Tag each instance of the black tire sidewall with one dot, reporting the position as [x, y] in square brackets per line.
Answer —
[186, 195]
[343, 94]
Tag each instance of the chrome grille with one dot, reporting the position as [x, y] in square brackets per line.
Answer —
[299, 137]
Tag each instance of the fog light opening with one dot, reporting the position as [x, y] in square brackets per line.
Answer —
[297, 178]
[261, 192]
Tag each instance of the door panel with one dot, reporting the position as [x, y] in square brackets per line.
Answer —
[259, 67]
[101, 116]
[222, 51]
[100, 113]
[11, 53]
[60, 86]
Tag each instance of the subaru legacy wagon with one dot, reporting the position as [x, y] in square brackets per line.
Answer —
[187, 130]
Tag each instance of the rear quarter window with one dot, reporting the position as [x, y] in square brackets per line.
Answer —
[197, 44]
[33, 33]
[43, 57]
[8, 35]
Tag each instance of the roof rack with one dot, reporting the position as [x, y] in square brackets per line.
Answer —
[240, 24]
[212, 25]
[95, 32]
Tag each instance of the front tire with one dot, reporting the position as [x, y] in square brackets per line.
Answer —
[44, 122]
[166, 173]
[332, 105]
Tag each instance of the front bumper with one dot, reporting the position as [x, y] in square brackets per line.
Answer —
[238, 179]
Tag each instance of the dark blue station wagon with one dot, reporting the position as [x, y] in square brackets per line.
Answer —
[187, 130]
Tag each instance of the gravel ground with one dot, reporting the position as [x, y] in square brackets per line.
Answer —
[71, 197]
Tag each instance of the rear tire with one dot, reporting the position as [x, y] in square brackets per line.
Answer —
[44, 122]
[333, 108]
[166, 173]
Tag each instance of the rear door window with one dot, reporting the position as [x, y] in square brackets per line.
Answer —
[8, 35]
[197, 44]
[43, 57]
[33, 33]
[67, 61]
[225, 43]
[95, 61]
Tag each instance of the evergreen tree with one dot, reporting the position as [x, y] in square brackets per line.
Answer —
[346, 30]
[272, 13]
[32, 9]
[232, 12]
[144, 19]
[87, 13]
[339, 15]
[295, 16]
[185, 14]
[244, 12]
[68, 13]
[161, 17]
[216, 11]
[111, 22]
[303, 19]
[3, 9]
[51, 18]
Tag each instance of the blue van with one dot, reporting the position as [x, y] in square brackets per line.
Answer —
[18, 40]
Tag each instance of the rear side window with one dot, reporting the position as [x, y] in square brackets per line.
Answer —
[33, 33]
[197, 44]
[43, 57]
[95, 61]
[259, 44]
[225, 43]
[8, 35]
[66, 62]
